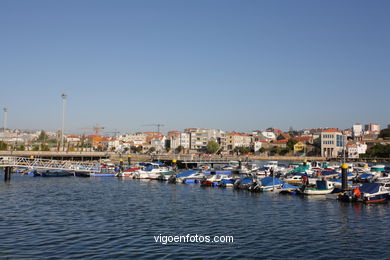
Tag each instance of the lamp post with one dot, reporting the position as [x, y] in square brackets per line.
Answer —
[63, 96]
[5, 110]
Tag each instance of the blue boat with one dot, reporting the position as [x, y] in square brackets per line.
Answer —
[102, 174]
[55, 173]
[243, 183]
[367, 193]
[365, 177]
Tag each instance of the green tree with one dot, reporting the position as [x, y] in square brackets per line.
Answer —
[21, 147]
[133, 149]
[262, 150]
[45, 147]
[152, 149]
[244, 149]
[379, 150]
[284, 151]
[385, 133]
[212, 147]
[179, 149]
[290, 143]
[35, 147]
[3, 146]
[42, 136]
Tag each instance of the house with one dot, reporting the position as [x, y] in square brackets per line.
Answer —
[332, 143]
[238, 140]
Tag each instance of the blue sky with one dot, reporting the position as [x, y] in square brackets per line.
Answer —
[233, 65]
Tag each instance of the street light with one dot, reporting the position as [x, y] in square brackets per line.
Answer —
[63, 96]
[5, 118]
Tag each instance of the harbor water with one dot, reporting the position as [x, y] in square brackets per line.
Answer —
[105, 218]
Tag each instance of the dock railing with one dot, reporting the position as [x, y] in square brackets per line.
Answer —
[37, 163]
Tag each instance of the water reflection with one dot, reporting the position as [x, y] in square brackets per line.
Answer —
[110, 217]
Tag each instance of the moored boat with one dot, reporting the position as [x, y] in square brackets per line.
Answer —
[321, 188]
[367, 193]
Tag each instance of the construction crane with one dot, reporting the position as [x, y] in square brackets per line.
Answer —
[156, 125]
[95, 128]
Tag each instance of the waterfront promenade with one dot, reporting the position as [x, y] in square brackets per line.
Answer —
[93, 156]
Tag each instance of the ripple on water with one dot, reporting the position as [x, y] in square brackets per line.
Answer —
[111, 218]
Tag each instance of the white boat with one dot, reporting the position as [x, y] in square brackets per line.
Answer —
[151, 171]
[322, 188]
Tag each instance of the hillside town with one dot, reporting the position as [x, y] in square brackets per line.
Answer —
[359, 141]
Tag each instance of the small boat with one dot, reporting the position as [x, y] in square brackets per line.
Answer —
[367, 193]
[288, 189]
[215, 178]
[321, 188]
[178, 178]
[128, 173]
[337, 183]
[165, 176]
[55, 173]
[243, 183]
[150, 171]
[229, 182]
[102, 174]
[365, 177]
[268, 184]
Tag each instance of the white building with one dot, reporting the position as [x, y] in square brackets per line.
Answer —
[374, 129]
[137, 139]
[355, 149]
[238, 140]
[199, 138]
[179, 139]
[257, 146]
[269, 135]
[357, 130]
[332, 143]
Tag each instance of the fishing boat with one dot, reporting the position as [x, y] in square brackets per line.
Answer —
[367, 193]
[321, 188]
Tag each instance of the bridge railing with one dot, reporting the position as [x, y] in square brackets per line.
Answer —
[37, 163]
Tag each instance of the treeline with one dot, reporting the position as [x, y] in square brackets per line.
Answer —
[378, 151]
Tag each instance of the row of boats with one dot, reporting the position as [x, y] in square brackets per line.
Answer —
[365, 184]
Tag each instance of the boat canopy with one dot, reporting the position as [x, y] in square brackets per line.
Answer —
[288, 186]
[246, 180]
[322, 185]
[349, 174]
[217, 172]
[300, 169]
[185, 173]
[328, 173]
[269, 181]
[366, 176]
[369, 188]
[228, 181]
